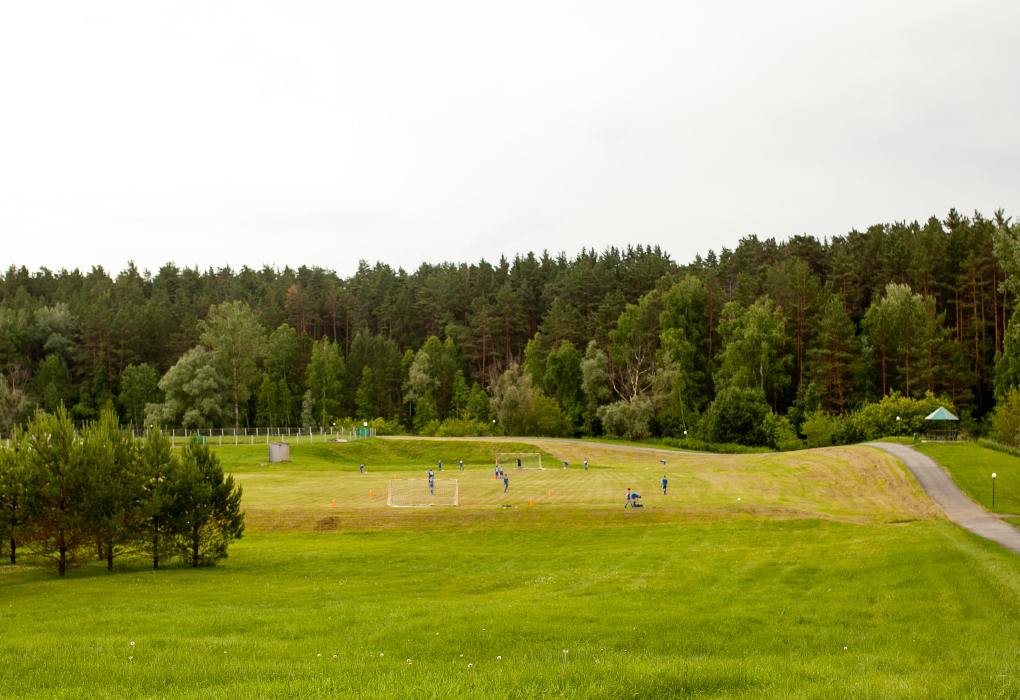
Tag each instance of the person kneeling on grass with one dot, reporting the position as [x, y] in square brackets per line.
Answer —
[635, 501]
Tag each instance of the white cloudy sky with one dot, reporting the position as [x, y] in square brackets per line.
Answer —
[323, 132]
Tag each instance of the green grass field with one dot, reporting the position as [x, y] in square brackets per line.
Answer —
[971, 467]
[832, 577]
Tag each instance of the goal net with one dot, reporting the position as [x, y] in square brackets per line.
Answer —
[413, 493]
[519, 460]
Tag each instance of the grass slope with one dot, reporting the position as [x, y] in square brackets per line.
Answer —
[851, 483]
[971, 467]
[745, 610]
[392, 454]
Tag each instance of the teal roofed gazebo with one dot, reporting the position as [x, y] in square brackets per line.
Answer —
[943, 425]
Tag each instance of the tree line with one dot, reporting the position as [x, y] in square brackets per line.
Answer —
[69, 496]
[731, 347]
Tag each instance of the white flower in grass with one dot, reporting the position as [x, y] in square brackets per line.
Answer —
[470, 665]
[130, 657]
[318, 654]
[408, 661]
[381, 654]
[132, 643]
[334, 656]
[499, 658]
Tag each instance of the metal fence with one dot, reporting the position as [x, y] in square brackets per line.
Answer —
[257, 436]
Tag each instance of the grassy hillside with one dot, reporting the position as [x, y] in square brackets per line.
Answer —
[830, 577]
[774, 609]
[971, 467]
[412, 454]
[851, 483]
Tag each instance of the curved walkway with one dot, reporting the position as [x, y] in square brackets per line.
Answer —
[947, 495]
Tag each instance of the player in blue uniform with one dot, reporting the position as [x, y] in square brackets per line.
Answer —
[506, 483]
[664, 482]
[432, 482]
[627, 502]
[565, 465]
[440, 465]
[663, 463]
[586, 464]
[362, 468]
[461, 462]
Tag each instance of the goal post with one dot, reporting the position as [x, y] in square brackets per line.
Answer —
[416, 493]
[519, 460]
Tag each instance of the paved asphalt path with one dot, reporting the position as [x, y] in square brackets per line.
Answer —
[947, 495]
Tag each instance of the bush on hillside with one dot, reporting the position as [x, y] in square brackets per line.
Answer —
[629, 420]
[736, 415]
[879, 419]
[1006, 419]
[386, 427]
[463, 427]
[818, 428]
[779, 433]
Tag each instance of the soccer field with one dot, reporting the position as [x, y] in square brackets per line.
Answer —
[850, 589]
[854, 483]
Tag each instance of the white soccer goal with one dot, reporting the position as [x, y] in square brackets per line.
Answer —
[415, 493]
[519, 460]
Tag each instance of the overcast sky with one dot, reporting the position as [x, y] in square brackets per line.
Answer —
[319, 133]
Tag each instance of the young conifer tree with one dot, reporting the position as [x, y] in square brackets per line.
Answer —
[161, 504]
[116, 496]
[59, 486]
[13, 495]
[211, 508]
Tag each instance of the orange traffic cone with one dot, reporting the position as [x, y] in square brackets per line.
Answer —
[369, 494]
[550, 494]
[531, 502]
[334, 503]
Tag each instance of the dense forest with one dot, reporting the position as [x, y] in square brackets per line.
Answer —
[742, 345]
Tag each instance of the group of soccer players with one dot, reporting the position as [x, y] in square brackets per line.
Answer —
[633, 499]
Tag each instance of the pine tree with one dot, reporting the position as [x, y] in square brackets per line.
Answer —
[832, 354]
[210, 507]
[59, 486]
[14, 495]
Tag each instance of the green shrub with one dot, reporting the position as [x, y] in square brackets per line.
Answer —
[629, 420]
[736, 415]
[880, 419]
[386, 427]
[780, 433]
[462, 427]
[1006, 419]
[818, 429]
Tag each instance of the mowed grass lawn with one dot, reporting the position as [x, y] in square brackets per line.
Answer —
[972, 466]
[851, 483]
[769, 609]
[832, 577]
